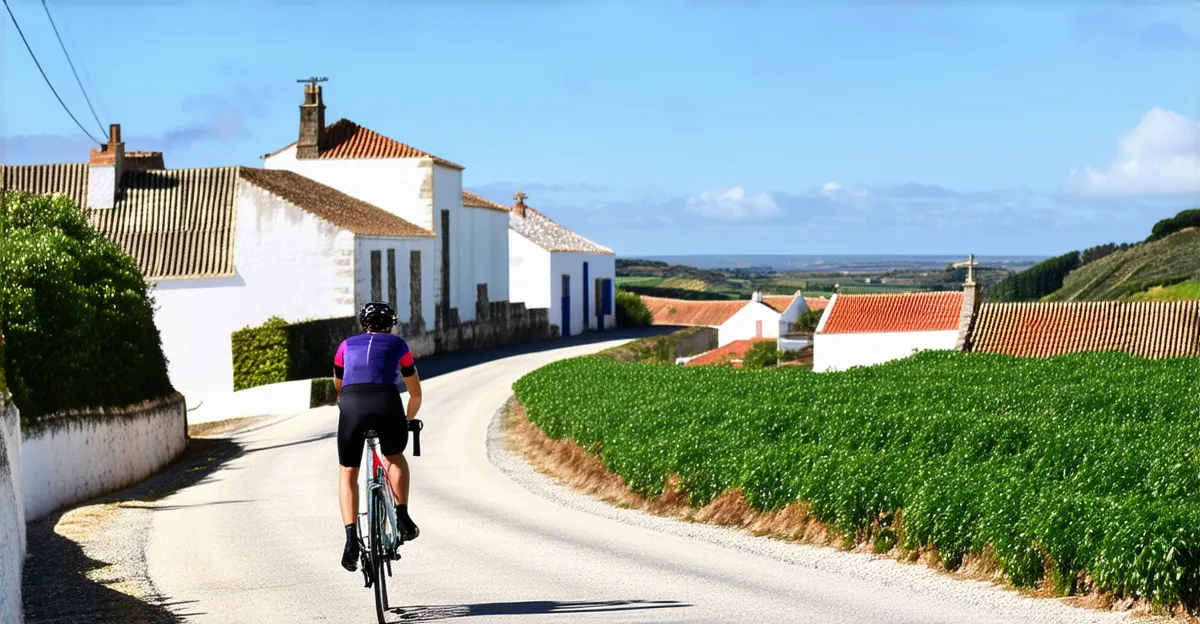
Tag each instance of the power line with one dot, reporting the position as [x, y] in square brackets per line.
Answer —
[76, 74]
[43, 72]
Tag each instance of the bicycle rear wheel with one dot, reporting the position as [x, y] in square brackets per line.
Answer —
[375, 519]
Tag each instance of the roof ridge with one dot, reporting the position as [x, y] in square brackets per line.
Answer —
[573, 232]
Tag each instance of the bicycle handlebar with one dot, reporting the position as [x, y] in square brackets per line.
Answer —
[415, 425]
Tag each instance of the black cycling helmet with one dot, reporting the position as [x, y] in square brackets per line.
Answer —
[377, 316]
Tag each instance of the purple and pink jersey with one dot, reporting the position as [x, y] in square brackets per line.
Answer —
[374, 359]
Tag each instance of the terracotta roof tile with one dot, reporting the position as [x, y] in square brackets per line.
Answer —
[332, 205]
[549, 235]
[346, 139]
[894, 313]
[1151, 329]
[686, 312]
[732, 353]
[176, 223]
[471, 200]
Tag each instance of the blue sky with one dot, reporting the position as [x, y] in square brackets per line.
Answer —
[676, 127]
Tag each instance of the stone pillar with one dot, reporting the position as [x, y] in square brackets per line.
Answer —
[972, 300]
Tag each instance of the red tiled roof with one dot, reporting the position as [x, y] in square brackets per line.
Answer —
[780, 303]
[471, 200]
[894, 313]
[732, 353]
[346, 139]
[686, 312]
[816, 303]
[1151, 329]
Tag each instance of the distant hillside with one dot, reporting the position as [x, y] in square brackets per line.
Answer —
[1171, 260]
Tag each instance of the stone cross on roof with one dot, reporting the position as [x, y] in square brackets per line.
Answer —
[971, 264]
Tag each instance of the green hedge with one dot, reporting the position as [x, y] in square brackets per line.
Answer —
[278, 351]
[631, 310]
[78, 316]
[322, 392]
[1088, 462]
[763, 354]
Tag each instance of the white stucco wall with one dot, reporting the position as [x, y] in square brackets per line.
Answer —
[842, 351]
[743, 325]
[568, 263]
[489, 245]
[364, 245]
[792, 314]
[447, 195]
[393, 184]
[528, 273]
[71, 458]
[289, 263]
[12, 514]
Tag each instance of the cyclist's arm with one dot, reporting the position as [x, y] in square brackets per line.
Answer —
[339, 369]
[412, 382]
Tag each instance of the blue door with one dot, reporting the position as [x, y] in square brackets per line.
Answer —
[585, 297]
[566, 305]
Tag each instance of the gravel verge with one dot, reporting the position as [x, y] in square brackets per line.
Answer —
[914, 579]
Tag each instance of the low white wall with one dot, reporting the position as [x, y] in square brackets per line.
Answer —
[75, 456]
[842, 351]
[12, 514]
[289, 397]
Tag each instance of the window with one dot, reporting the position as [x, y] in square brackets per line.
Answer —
[391, 255]
[376, 278]
[758, 329]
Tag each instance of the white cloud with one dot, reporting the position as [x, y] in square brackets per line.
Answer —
[837, 191]
[1159, 156]
[732, 204]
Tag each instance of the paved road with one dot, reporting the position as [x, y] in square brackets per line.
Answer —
[259, 541]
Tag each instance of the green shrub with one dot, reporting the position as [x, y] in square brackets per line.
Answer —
[763, 354]
[1086, 461]
[1167, 227]
[631, 310]
[1035, 282]
[322, 392]
[78, 316]
[807, 323]
[278, 351]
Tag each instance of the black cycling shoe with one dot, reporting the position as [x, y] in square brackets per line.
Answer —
[350, 556]
[410, 531]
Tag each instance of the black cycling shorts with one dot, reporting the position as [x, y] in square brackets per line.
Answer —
[365, 407]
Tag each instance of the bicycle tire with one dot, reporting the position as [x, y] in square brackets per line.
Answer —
[385, 556]
[376, 523]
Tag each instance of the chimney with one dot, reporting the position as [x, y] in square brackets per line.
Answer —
[312, 123]
[104, 170]
[756, 297]
[519, 203]
[972, 300]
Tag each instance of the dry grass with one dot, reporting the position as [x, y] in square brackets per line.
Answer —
[221, 427]
[570, 464]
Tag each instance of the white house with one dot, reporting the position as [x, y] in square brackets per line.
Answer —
[863, 330]
[471, 244]
[229, 247]
[762, 316]
[552, 267]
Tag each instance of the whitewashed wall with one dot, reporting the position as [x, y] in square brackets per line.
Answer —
[364, 245]
[529, 275]
[393, 184]
[74, 457]
[792, 314]
[447, 195]
[489, 255]
[744, 324]
[569, 263]
[842, 351]
[289, 263]
[12, 513]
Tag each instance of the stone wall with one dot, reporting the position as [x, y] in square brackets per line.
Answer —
[12, 513]
[74, 456]
[497, 323]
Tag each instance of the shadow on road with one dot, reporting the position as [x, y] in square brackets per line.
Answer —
[56, 586]
[429, 613]
[450, 362]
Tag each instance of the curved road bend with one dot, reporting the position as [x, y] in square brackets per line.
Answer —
[260, 539]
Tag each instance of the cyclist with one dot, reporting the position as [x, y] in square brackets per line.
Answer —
[365, 370]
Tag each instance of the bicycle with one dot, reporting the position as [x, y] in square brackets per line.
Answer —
[381, 530]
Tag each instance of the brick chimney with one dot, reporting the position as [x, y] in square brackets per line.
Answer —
[519, 203]
[972, 299]
[105, 166]
[312, 123]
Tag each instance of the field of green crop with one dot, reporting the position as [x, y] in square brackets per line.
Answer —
[1082, 466]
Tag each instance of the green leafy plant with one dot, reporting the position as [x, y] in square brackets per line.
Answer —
[807, 323]
[278, 351]
[631, 310]
[761, 355]
[1087, 462]
[78, 316]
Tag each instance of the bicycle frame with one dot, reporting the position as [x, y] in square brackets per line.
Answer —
[374, 479]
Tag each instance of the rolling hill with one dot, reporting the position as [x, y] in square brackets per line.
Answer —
[1172, 260]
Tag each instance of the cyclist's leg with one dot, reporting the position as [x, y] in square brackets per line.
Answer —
[350, 445]
[393, 439]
